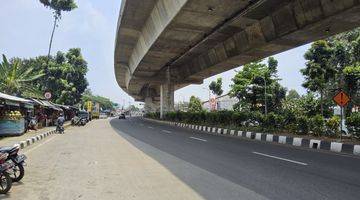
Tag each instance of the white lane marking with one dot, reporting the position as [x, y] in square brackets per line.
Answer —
[195, 138]
[39, 145]
[166, 131]
[284, 159]
[151, 127]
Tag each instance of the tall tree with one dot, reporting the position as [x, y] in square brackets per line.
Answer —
[58, 6]
[216, 87]
[66, 77]
[16, 79]
[319, 69]
[195, 104]
[251, 83]
[105, 103]
[292, 94]
[346, 57]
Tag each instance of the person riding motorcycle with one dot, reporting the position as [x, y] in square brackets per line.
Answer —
[60, 123]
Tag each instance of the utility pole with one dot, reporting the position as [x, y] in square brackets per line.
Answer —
[265, 99]
[265, 96]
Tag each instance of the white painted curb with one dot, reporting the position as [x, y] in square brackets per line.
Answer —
[258, 136]
[297, 141]
[282, 139]
[269, 138]
[312, 142]
[336, 146]
[356, 149]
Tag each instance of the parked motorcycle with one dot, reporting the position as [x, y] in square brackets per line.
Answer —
[79, 121]
[17, 172]
[5, 179]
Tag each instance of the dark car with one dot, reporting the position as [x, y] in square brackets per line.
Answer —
[122, 116]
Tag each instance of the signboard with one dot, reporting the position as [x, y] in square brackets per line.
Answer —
[47, 95]
[89, 106]
[341, 99]
[213, 104]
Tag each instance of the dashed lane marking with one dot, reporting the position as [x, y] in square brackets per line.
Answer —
[195, 138]
[166, 131]
[279, 158]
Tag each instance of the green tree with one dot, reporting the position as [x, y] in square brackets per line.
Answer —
[195, 104]
[215, 87]
[292, 94]
[58, 6]
[65, 78]
[105, 103]
[250, 83]
[17, 79]
[319, 70]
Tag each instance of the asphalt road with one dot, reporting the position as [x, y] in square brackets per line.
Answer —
[136, 159]
[219, 167]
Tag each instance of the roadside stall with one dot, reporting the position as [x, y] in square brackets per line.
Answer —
[12, 112]
[68, 112]
[52, 112]
[39, 112]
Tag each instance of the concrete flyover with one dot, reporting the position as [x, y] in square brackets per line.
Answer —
[164, 45]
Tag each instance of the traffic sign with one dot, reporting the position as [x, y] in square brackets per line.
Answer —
[341, 99]
[47, 95]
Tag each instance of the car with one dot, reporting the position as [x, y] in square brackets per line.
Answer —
[122, 116]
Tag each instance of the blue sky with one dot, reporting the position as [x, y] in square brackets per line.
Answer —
[26, 27]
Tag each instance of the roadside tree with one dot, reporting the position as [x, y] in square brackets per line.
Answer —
[216, 87]
[17, 79]
[195, 104]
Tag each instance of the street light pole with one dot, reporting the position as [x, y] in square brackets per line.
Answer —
[266, 108]
[265, 97]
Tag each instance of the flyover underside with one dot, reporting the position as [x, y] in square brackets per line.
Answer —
[179, 42]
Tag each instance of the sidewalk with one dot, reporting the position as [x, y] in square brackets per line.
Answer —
[95, 162]
[10, 141]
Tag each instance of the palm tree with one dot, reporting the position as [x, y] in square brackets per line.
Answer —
[15, 79]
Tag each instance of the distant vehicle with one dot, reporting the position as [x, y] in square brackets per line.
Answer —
[84, 115]
[122, 116]
[81, 118]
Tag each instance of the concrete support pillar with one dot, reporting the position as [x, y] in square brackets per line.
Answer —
[166, 99]
[149, 106]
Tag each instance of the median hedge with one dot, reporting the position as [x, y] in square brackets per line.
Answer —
[272, 122]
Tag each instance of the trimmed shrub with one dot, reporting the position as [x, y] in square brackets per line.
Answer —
[332, 126]
[353, 124]
[303, 125]
[318, 125]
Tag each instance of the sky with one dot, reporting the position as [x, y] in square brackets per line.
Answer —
[25, 32]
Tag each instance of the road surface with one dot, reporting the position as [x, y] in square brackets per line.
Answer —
[138, 159]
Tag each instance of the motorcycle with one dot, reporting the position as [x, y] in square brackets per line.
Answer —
[60, 129]
[5, 179]
[17, 172]
[79, 121]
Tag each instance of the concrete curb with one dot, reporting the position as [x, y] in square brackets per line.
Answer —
[265, 137]
[34, 139]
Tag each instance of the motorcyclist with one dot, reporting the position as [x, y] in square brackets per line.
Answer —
[60, 123]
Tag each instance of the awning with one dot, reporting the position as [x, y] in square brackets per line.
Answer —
[61, 106]
[13, 100]
[50, 105]
[37, 101]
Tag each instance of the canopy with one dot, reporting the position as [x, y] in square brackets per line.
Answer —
[50, 105]
[13, 100]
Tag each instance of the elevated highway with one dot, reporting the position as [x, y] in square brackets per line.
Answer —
[164, 45]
